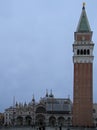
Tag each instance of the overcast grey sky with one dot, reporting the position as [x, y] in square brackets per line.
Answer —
[36, 38]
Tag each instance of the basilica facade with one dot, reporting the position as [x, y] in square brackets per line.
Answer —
[49, 111]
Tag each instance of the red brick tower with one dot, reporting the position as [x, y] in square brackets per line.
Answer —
[83, 73]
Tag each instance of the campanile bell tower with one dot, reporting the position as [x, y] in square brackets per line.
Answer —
[83, 73]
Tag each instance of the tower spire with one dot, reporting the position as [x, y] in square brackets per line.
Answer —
[33, 99]
[83, 25]
[46, 92]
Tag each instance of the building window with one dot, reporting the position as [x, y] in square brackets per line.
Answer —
[81, 52]
[84, 51]
[94, 111]
[78, 52]
[88, 52]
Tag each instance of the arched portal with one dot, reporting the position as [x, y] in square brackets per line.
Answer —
[19, 120]
[52, 121]
[61, 121]
[28, 120]
[40, 120]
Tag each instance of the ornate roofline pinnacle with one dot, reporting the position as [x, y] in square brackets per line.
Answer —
[84, 5]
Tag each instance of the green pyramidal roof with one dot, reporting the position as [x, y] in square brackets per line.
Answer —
[83, 25]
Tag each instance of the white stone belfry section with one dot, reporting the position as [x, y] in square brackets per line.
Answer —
[83, 51]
